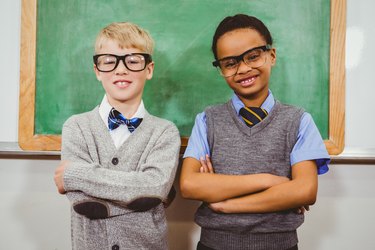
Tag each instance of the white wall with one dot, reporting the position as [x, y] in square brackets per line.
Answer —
[34, 217]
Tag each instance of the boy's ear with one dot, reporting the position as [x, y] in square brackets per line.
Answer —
[150, 70]
[97, 73]
[273, 56]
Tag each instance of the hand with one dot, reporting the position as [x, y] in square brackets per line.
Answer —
[303, 209]
[218, 207]
[206, 165]
[59, 176]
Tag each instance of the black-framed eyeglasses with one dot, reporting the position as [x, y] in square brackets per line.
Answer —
[134, 62]
[254, 58]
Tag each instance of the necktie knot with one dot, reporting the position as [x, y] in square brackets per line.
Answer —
[115, 119]
[252, 115]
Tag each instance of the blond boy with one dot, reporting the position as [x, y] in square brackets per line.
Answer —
[118, 161]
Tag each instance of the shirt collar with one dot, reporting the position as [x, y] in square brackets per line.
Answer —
[267, 104]
[105, 108]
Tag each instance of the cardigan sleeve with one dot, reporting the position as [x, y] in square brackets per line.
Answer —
[146, 187]
[74, 149]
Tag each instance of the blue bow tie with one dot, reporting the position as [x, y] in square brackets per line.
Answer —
[115, 119]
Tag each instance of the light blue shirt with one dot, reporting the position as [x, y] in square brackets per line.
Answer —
[309, 145]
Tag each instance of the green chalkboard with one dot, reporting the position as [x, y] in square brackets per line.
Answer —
[184, 81]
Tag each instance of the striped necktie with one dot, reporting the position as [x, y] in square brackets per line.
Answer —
[252, 115]
[115, 119]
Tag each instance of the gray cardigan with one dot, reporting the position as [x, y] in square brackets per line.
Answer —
[125, 180]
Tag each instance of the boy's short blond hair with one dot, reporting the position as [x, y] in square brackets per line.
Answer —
[128, 35]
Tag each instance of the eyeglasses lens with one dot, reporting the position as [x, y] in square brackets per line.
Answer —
[135, 62]
[106, 63]
[254, 59]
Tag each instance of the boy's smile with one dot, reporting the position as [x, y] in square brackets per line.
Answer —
[123, 86]
[122, 83]
[251, 85]
[248, 81]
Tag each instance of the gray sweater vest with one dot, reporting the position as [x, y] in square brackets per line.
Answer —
[236, 150]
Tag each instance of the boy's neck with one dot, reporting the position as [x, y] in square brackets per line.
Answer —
[128, 108]
[255, 100]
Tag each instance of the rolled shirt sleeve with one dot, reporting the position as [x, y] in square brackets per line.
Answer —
[310, 145]
[198, 144]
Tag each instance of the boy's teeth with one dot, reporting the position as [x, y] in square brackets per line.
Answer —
[248, 80]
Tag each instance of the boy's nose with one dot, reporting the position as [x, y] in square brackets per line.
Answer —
[243, 67]
[121, 68]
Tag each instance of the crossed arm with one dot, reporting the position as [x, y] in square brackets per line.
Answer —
[257, 193]
[82, 178]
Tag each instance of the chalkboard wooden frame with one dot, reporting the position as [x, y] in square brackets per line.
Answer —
[28, 140]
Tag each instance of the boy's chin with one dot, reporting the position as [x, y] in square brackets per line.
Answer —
[122, 99]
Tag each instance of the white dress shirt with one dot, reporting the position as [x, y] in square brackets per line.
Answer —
[120, 134]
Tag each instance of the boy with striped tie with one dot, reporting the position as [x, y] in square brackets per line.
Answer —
[253, 161]
[118, 161]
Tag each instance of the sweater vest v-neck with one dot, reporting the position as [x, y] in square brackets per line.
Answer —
[237, 149]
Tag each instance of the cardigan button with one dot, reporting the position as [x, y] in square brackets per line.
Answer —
[115, 161]
[115, 247]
